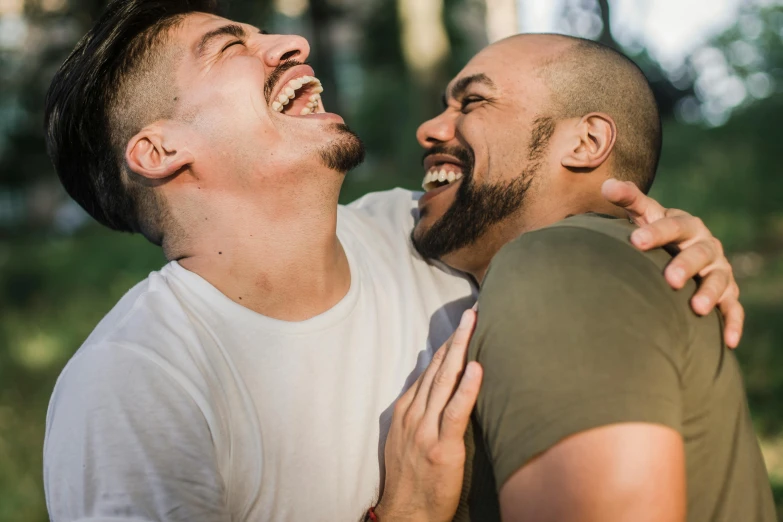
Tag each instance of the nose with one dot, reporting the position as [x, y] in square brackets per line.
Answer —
[284, 47]
[439, 129]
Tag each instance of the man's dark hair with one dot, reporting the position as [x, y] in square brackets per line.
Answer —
[592, 77]
[117, 80]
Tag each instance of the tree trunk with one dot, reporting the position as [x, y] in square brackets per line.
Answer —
[501, 19]
[425, 43]
[606, 37]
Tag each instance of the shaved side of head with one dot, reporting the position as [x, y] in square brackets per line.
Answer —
[585, 77]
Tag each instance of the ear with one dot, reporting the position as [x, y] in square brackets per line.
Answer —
[595, 136]
[153, 153]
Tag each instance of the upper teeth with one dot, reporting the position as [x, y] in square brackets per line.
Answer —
[442, 175]
[288, 93]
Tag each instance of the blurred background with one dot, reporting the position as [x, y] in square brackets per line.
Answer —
[716, 67]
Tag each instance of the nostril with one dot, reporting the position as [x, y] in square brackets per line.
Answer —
[289, 55]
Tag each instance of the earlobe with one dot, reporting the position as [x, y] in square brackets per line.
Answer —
[151, 156]
[596, 136]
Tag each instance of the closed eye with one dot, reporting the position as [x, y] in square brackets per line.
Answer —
[470, 100]
[235, 42]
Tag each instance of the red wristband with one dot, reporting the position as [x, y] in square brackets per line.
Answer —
[371, 516]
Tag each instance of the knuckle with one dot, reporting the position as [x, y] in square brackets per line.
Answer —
[730, 295]
[443, 378]
[703, 250]
[452, 414]
[434, 455]
[460, 340]
[710, 289]
[717, 245]
[675, 227]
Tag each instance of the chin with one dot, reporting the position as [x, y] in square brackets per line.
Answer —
[345, 152]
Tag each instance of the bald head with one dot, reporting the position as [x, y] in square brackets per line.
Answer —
[584, 76]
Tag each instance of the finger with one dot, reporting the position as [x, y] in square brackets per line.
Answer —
[448, 375]
[698, 258]
[680, 230]
[456, 415]
[712, 287]
[672, 212]
[625, 194]
[418, 399]
[734, 315]
[404, 401]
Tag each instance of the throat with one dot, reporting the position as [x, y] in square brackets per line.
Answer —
[284, 279]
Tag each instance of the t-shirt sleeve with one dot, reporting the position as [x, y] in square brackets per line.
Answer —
[125, 441]
[576, 330]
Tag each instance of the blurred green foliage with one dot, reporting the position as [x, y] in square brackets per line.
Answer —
[54, 288]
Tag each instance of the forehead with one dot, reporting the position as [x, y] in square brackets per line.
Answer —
[196, 25]
[507, 69]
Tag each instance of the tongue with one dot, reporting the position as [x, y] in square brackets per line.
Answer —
[295, 106]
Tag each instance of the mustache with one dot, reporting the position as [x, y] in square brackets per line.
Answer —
[463, 154]
[274, 77]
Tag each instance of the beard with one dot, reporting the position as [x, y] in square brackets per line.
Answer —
[477, 208]
[344, 153]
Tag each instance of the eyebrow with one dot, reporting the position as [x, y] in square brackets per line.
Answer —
[235, 30]
[459, 88]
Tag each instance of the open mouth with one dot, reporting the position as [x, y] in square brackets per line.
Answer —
[300, 96]
[441, 171]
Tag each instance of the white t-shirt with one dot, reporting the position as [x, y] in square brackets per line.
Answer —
[183, 405]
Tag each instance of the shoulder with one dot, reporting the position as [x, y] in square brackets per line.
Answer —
[580, 275]
[147, 339]
[152, 304]
[584, 234]
[589, 250]
[113, 376]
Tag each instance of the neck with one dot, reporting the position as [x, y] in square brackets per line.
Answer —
[541, 212]
[276, 254]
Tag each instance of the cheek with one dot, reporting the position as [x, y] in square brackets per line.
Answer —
[474, 132]
[507, 151]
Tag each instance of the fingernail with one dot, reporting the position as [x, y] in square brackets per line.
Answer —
[465, 318]
[702, 303]
[641, 237]
[470, 371]
[679, 276]
[475, 307]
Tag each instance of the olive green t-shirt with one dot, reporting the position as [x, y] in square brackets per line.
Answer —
[578, 329]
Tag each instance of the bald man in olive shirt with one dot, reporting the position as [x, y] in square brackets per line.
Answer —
[608, 344]
[605, 398]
